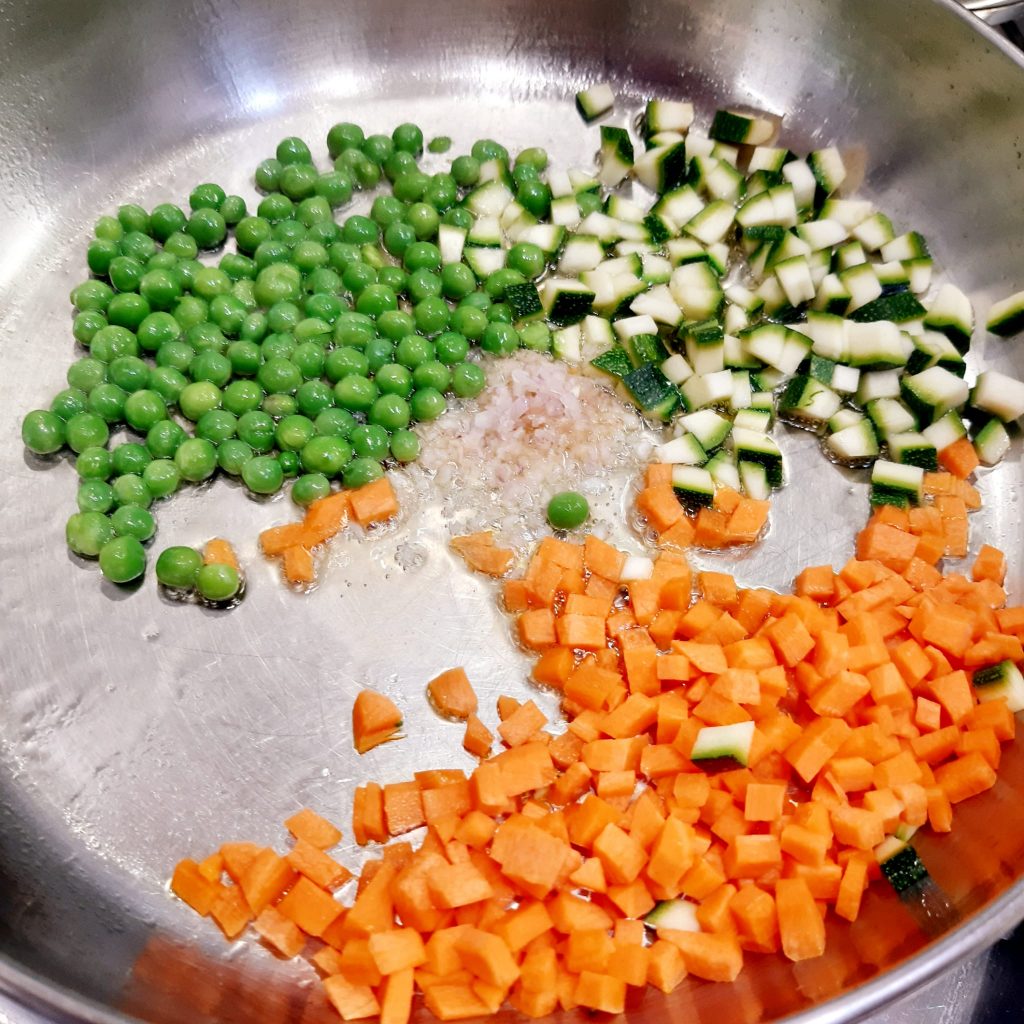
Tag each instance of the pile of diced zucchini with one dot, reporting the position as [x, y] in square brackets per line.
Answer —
[746, 288]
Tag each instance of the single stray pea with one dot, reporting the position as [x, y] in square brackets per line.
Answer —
[567, 510]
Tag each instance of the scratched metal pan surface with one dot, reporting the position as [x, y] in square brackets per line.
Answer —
[134, 731]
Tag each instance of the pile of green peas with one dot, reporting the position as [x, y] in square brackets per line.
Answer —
[305, 353]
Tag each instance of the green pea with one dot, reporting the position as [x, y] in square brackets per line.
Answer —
[376, 299]
[95, 496]
[277, 346]
[176, 355]
[177, 567]
[326, 282]
[500, 339]
[470, 322]
[44, 432]
[589, 202]
[309, 360]
[279, 376]
[297, 181]
[497, 283]
[217, 425]
[68, 402]
[143, 409]
[309, 488]
[344, 135]
[108, 401]
[289, 463]
[362, 471]
[182, 245]
[488, 149]
[164, 220]
[354, 330]
[157, 330]
[207, 227]
[309, 256]
[355, 393]
[399, 164]
[292, 150]
[379, 352]
[341, 362]
[133, 521]
[526, 259]
[466, 170]
[190, 311]
[127, 310]
[408, 138]
[424, 284]
[92, 295]
[240, 396]
[458, 217]
[129, 458]
[84, 430]
[398, 237]
[457, 280]
[256, 428]
[335, 187]
[268, 172]
[277, 282]
[168, 383]
[432, 374]
[378, 148]
[198, 398]
[100, 253]
[335, 423]
[122, 559]
[326, 455]
[125, 274]
[405, 445]
[357, 276]
[394, 379]
[293, 432]
[427, 404]
[86, 324]
[442, 192]
[432, 315]
[232, 455]
[279, 406]
[313, 397]
[451, 348]
[422, 255]
[87, 532]
[131, 489]
[108, 227]
[283, 317]
[358, 230]
[392, 412]
[439, 144]
[84, 374]
[263, 475]
[370, 440]
[567, 510]
[413, 350]
[217, 582]
[387, 210]
[411, 186]
[196, 459]
[535, 197]
[423, 219]
[206, 196]
[109, 343]
[163, 439]
[468, 380]
[162, 478]
[324, 307]
[207, 336]
[94, 464]
[536, 337]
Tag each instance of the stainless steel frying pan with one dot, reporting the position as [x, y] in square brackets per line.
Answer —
[134, 732]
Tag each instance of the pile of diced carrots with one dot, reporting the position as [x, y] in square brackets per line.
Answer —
[536, 869]
[295, 543]
[732, 519]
